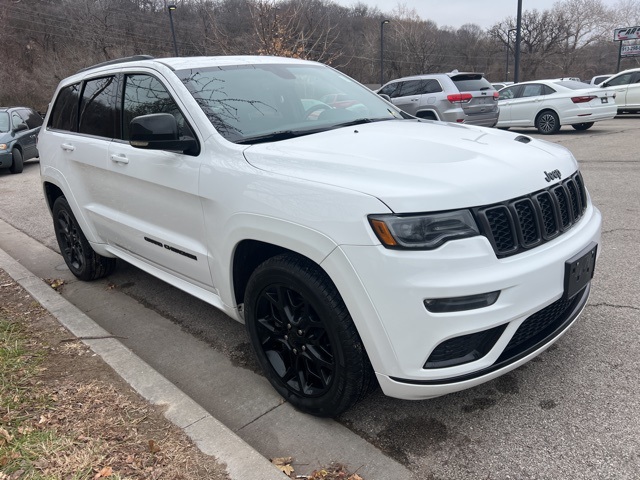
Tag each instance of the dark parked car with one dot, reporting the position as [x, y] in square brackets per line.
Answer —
[19, 128]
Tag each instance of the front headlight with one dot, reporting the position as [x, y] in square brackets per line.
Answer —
[424, 231]
[3, 146]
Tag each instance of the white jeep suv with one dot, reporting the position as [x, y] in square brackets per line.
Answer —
[356, 243]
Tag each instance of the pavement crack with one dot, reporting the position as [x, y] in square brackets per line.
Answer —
[258, 417]
[613, 230]
[611, 305]
[194, 422]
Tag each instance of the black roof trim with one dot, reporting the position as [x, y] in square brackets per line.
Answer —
[134, 58]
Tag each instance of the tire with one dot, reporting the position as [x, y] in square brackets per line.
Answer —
[17, 165]
[427, 116]
[504, 128]
[304, 338]
[81, 259]
[547, 122]
[582, 126]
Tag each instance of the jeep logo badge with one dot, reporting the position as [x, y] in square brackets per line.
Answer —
[549, 176]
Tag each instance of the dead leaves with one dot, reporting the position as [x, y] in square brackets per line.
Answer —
[284, 464]
[56, 283]
[336, 471]
[105, 472]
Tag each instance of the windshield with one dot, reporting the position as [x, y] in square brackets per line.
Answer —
[270, 102]
[4, 122]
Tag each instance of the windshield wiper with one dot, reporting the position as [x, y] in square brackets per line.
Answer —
[275, 136]
[361, 121]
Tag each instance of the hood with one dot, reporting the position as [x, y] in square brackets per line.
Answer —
[417, 166]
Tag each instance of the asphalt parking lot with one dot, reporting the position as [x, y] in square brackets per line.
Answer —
[573, 412]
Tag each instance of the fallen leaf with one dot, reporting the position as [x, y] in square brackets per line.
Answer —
[6, 434]
[105, 472]
[355, 476]
[153, 448]
[57, 283]
[284, 464]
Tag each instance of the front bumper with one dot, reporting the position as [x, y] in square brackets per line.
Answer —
[6, 159]
[386, 300]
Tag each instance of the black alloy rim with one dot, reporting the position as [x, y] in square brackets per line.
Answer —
[71, 244]
[295, 341]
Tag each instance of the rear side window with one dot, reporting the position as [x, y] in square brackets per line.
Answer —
[64, 115]
[97, 107]
[432, 86]
[471, 83]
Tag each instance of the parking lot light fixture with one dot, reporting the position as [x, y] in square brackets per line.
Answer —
[171, 7]
[382, 24]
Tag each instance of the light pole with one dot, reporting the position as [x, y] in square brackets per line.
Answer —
[382, 24]
[171, 7]
[506, 72]
[516, 68]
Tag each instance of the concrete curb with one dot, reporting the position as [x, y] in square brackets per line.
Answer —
[209, 435]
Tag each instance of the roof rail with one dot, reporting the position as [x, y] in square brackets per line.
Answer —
[134, 58]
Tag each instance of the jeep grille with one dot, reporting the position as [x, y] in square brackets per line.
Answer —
[527, 222]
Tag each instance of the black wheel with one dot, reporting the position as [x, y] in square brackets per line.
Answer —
[83, 262]
[547, 122]
[504, 128]
[17, 165]
[304, 338]
[427, 115]
[583, 126]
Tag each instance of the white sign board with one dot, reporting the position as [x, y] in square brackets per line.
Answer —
[627, 33]
[630, 50]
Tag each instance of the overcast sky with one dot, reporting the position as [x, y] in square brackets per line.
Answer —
[456, 13]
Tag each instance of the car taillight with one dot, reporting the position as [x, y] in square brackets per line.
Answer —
[583, 99]
[496, 95]
[459, 97]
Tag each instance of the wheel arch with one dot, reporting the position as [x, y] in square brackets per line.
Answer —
[547, 109]
[427, 113]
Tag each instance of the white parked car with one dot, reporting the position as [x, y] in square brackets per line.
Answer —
[357, 243]
[598, 79]
[626, 87]
[549, 104]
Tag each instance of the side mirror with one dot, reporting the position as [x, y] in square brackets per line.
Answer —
[385, 96]
[20, 127]
[604, 84]
[159, 131]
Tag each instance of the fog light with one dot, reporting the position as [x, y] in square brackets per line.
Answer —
[458, 304]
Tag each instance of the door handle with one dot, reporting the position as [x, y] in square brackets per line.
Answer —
[119, 159]
[67, 147]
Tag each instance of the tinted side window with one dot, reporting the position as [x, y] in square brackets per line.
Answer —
[143, 95]
[432, 86]
[64, 115]
[390, 89]
[547, 90]
[97, 107]
[411, 87]
[621, 80]
[31, 118]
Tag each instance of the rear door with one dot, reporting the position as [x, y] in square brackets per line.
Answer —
[507, 97]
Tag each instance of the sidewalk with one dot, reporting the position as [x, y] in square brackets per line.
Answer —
[207, 433]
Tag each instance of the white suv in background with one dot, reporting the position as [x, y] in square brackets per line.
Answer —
[626, 86]
[359, 245]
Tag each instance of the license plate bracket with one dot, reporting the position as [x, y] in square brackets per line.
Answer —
[579, 269]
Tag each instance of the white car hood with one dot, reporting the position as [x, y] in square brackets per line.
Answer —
[416, 166]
